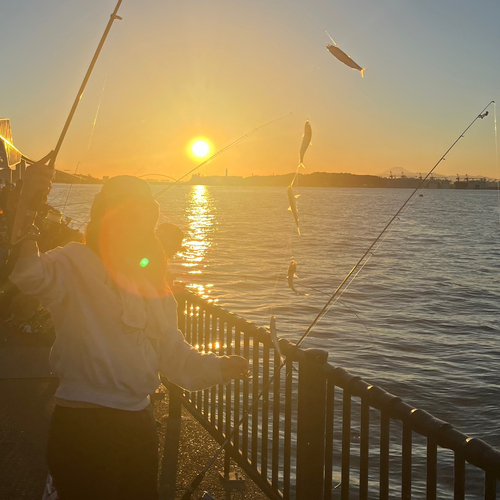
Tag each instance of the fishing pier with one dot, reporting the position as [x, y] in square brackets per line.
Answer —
[316, 432]
[319, 432]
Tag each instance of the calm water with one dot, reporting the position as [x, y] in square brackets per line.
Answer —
[421, 319]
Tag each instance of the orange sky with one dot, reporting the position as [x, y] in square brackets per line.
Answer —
[219, 69]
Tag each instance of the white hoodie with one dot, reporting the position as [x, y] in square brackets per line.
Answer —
[110, 343]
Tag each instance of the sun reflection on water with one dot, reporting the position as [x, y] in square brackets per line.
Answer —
[201, 224]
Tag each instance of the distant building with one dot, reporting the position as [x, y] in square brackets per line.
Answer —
[471, 183]
[414, 182]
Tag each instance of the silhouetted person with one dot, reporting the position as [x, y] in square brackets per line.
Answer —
[4, 194]
[12, 201]
[170, 237]
[115, 320]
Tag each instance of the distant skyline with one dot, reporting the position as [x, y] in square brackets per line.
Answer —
[171, 72]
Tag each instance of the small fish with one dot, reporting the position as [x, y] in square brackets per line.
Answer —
[274, 338]
[343, 57]
[290, 275]
[292, 268]
[293, 205]
[306, 141]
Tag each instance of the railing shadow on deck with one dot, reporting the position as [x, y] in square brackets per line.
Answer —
[319, 432]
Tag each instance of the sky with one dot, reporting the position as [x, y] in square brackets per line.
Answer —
[174, 71]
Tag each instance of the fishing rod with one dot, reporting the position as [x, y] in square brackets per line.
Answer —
[248, 134]
[325, 308]
[191, 488]
[37, 201]
[113, 17]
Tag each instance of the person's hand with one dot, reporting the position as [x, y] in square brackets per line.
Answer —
[234, 367]
[37, 181]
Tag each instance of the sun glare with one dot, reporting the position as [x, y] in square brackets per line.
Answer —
[200, 148]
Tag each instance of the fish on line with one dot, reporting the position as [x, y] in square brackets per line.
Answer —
[290, 275]
[293, 206]
[343, 57]
[306, 141]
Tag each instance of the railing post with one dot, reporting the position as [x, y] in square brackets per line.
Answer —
[169, 464]
[311, 418]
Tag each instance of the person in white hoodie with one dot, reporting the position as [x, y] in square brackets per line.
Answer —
[116, 329]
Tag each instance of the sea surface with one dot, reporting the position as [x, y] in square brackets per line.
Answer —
[421, 319]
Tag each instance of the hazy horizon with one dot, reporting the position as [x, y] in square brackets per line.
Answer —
[171, 73]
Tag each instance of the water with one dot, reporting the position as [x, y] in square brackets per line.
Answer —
[421, 319]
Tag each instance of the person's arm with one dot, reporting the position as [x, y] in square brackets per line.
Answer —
[28, 247]
[185, 366]
[36, 186]
[36, 274]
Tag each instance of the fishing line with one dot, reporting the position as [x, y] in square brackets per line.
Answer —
[218, 153]
[97, 112]
[354, 269]
[35, 203]
[90, 142]
[190, 489]
[496, 156]
[281, 276]
[333, 41]
[71, 186]
[215, 155]
[73, 204]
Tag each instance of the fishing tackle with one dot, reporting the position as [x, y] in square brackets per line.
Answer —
[35, 203]
[356, 269]
[293, 205]
[29, 230]
[360, 264]
[306, 141]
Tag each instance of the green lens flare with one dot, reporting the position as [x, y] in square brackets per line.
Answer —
[144, 262]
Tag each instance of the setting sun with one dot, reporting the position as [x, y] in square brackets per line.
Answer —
[200, 148]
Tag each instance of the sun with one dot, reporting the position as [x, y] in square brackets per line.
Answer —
[200, 148]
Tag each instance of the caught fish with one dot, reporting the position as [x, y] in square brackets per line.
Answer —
[292, 268]
[290, 275]
[293, 206]
[274, 338]
[343, 57]
[306, 141]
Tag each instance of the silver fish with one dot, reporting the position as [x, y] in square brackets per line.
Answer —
[306, 140]
[292, 268]
[343, 57]
[290, 275]
[293, 206]
[274, 338]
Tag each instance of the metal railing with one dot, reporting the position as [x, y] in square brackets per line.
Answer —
[319, 432]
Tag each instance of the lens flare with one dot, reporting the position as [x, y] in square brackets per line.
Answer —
[144, 262]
